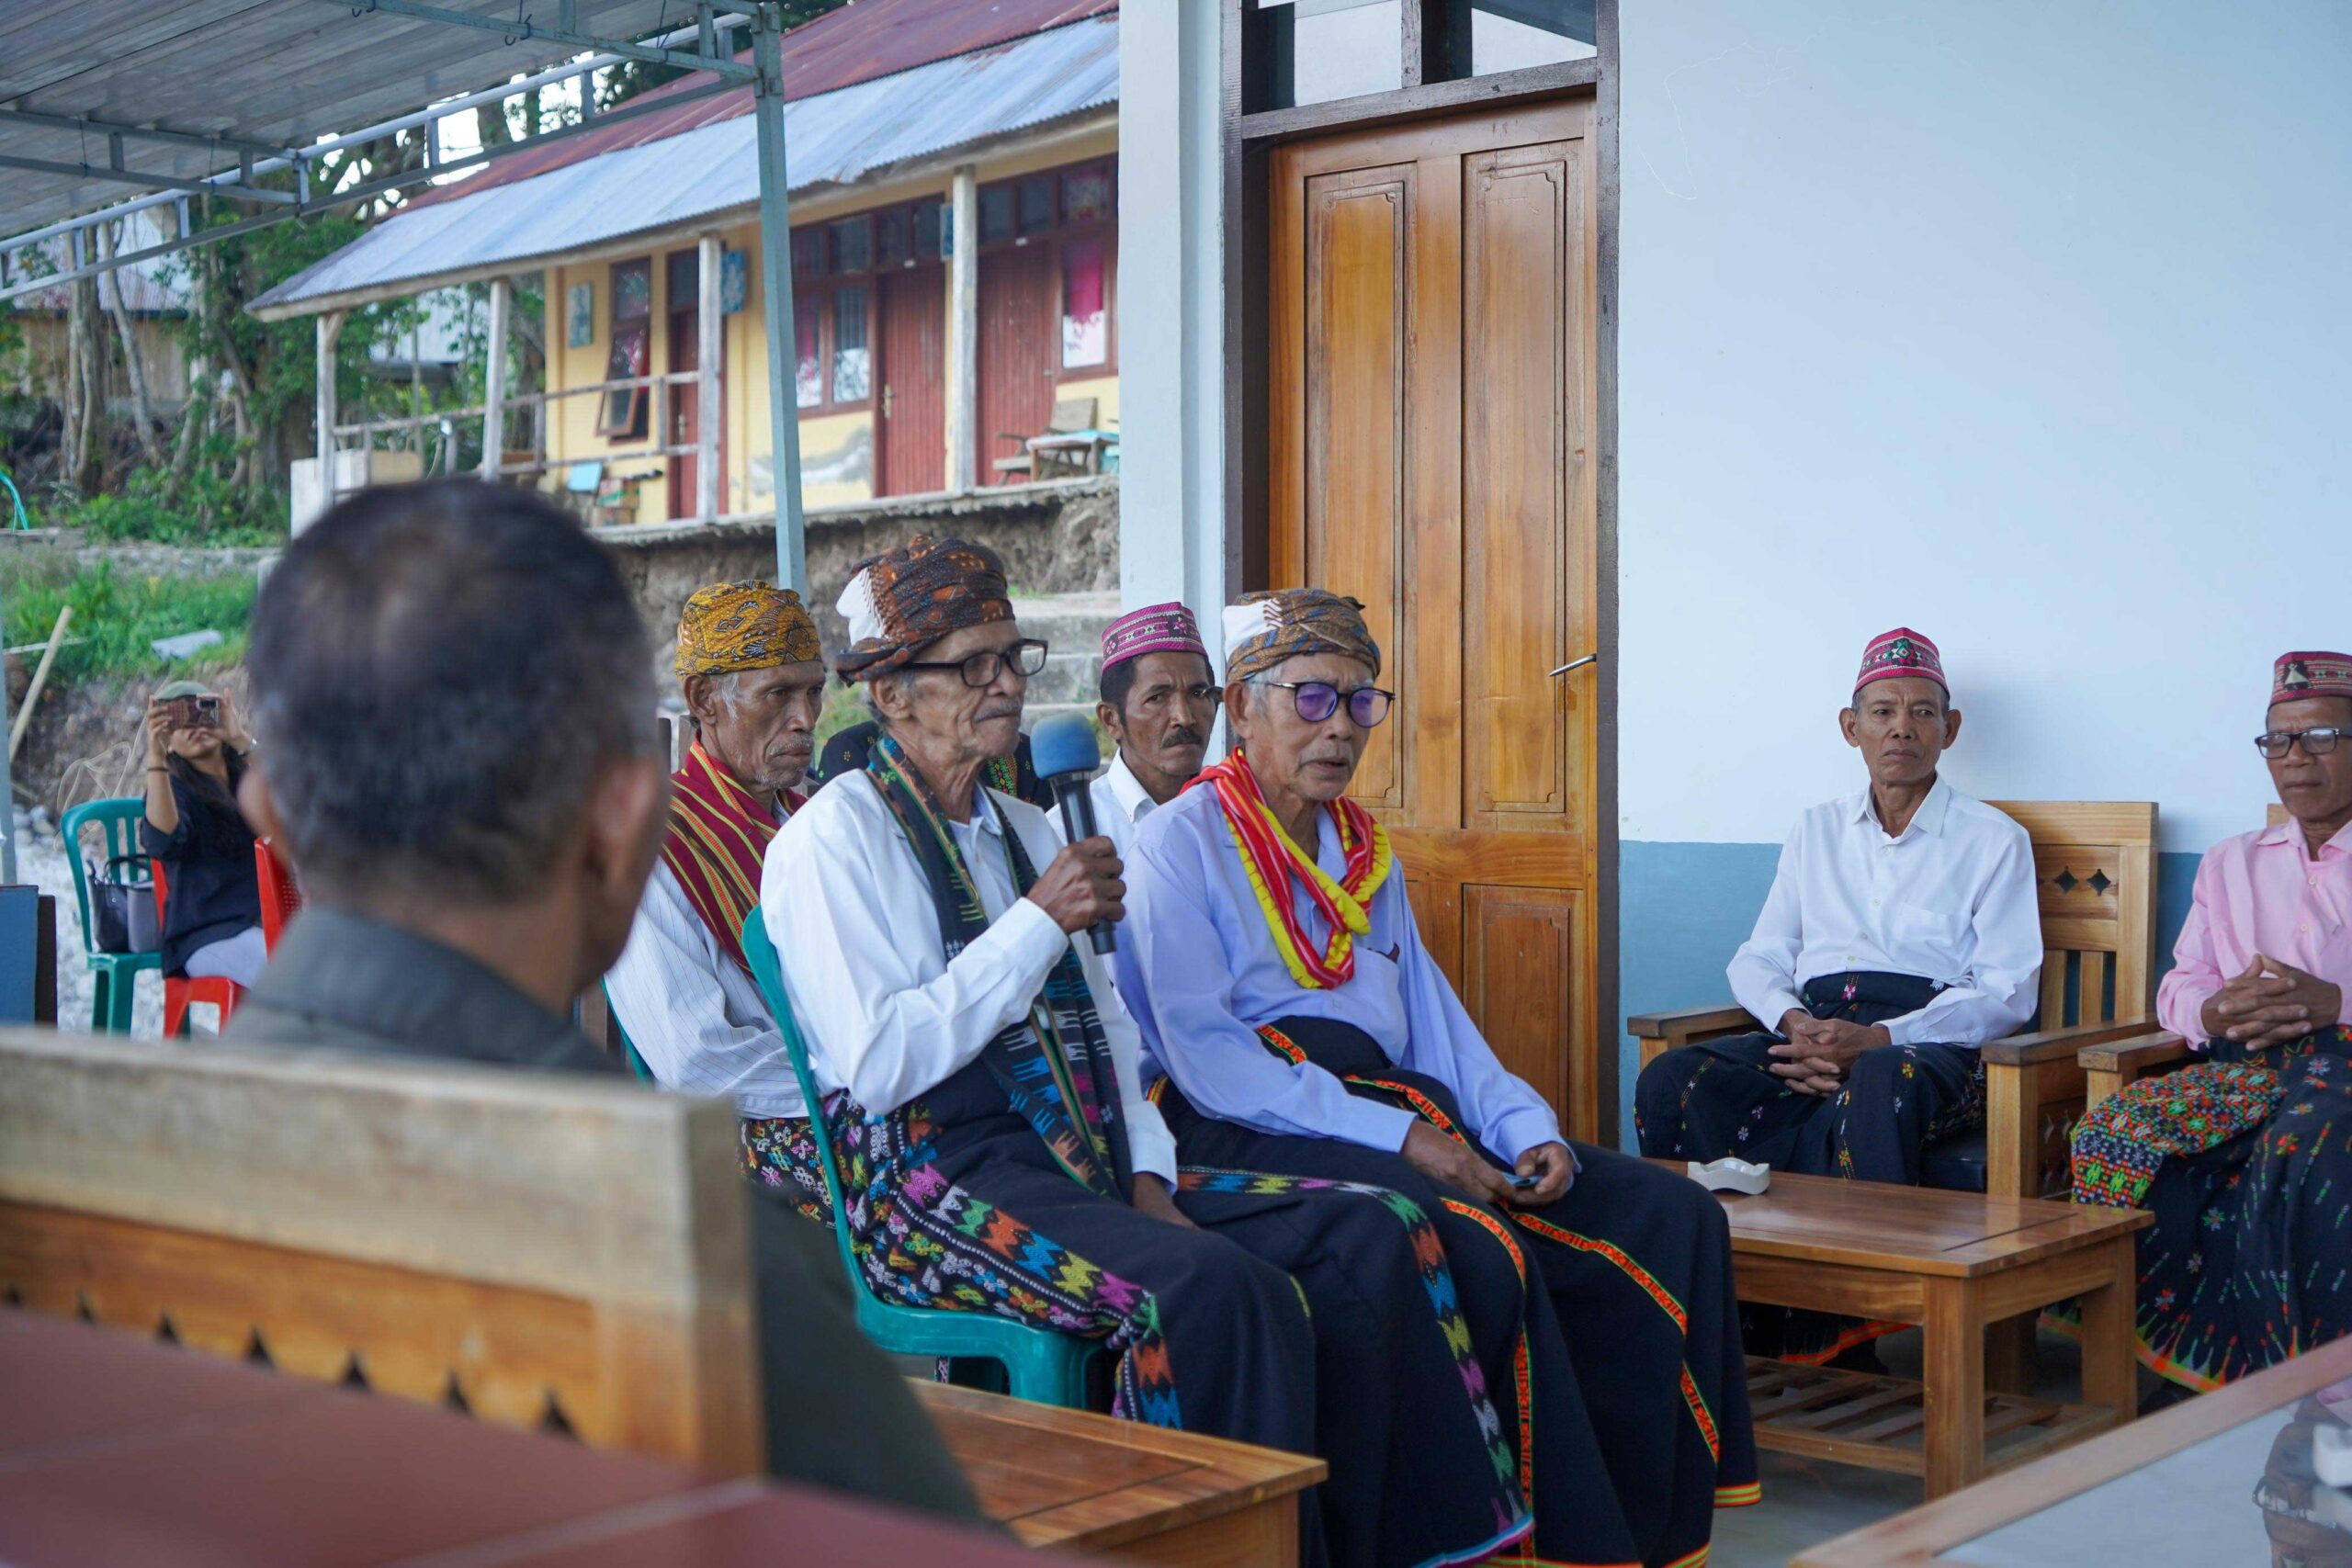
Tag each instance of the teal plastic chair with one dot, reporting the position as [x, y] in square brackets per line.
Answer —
[628, 1049]
[1040, 1364]
[116, 973]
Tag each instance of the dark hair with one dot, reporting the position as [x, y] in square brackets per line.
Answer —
[219, 828]
[441, 668]
[1117, 681]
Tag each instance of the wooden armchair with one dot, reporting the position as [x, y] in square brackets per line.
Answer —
[2095, 862]
[540, 1250]
[2108, 1067]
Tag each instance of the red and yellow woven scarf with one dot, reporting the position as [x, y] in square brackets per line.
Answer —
[718, 835]
[1273, 863]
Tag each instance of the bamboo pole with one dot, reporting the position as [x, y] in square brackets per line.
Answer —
[41, 679]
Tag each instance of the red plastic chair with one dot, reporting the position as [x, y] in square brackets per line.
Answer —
[180, 991]
[281, 894]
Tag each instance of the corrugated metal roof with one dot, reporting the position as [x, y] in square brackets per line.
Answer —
[859, 42]
[281, 72]
[832, 139]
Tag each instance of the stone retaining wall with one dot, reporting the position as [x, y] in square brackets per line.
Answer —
[1055, 539]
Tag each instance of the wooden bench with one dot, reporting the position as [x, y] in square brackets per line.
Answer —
[2094, 869]
[545, 1251]
[1953, 1263]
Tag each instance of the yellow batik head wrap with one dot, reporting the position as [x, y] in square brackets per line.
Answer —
[744, 626]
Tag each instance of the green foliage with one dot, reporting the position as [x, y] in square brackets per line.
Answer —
[116, 615]
[845, 706]
[204, 508]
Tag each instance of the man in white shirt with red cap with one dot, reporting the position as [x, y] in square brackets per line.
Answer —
[1160, 702]
[1901, 933]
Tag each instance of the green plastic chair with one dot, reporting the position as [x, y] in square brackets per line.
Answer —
[1040, 1364]
[116, 973]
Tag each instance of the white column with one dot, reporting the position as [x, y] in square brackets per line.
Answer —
[493, 400]
[963, 329]
[1171, 351]
[708, 481]
[330, 329]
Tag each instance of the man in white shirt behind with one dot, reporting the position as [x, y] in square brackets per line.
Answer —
[1901, 933]
[1160, 701]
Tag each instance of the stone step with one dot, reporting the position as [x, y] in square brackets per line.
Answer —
[1069, 623]
[1072, 626]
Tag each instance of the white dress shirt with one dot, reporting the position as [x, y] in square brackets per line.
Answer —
[884, 1013]
[693, 1013]
[1120, 802]
[1950, 899]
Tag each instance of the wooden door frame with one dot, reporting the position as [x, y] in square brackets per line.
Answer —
[1248, 135]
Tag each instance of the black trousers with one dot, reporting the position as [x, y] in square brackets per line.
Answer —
[1305, 1316]
[1720, 1096]
[1608, 1316]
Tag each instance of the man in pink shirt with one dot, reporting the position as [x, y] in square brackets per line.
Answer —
[2240, 1156]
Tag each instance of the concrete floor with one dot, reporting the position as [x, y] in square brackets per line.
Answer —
[1807, 1501]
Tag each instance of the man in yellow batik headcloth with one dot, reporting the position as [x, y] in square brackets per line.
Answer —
[754, 679]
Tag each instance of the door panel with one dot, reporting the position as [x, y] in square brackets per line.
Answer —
[1524, 421]
[1520, 973]
[914, 377]
[1356, 402]
[1019, 340]
[1430, 451]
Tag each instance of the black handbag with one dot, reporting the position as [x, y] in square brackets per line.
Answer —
[122, 906]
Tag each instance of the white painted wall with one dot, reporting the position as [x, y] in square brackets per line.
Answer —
[1171, 312]
[2025, 323]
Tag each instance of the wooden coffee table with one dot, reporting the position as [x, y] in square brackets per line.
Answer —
[1074, 1481]
[2182, 1489]
[1952, 1262]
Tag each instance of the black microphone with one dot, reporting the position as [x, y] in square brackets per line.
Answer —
[1063, 752]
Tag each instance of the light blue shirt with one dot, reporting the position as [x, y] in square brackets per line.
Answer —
[1198, 969]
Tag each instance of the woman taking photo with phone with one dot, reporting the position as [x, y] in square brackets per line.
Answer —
[195, 754]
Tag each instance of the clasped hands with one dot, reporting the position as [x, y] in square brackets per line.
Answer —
[2270, 1004]
[1814, 1058]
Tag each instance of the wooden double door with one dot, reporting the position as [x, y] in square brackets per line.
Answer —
[1433, 308]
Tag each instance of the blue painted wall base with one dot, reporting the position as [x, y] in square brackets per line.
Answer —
[1683, 909]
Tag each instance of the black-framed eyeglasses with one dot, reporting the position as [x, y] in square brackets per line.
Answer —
[2319, 742]
[1318, 700]
[1027, 657]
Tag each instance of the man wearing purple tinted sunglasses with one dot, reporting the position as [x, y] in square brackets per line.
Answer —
[1271, 959]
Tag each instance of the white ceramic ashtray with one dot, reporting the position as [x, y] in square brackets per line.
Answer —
[2332, 1455]
[1729, 1174]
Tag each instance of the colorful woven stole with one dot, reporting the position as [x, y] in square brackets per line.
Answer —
[1273, 863]
[718, 835]
[1054, 1065]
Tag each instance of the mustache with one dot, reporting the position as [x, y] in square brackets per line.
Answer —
[998, 710]
[1182, 735]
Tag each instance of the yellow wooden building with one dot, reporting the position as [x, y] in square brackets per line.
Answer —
[953, 171]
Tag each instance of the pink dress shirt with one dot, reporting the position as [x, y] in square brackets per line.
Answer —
[2262, 892]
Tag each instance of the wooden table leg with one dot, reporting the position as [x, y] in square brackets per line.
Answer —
[2008, 1354]
[1953, 1376]
[2111, 1370]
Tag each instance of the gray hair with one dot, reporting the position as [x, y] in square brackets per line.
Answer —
[442, 670]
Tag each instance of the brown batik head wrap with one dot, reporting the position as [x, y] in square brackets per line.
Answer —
[902, 600]
[1262, 629]
[744, 626]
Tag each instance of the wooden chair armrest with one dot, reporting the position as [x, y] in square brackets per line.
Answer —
[2133, 1057]
[1680, 1026]
[2058, 1044]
